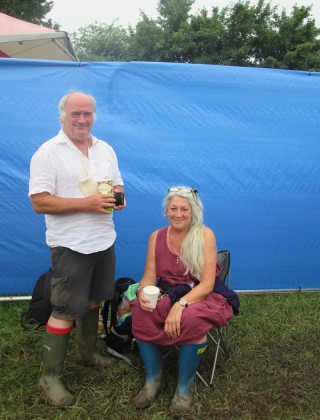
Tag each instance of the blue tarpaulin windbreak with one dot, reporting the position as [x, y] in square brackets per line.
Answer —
[248, 139]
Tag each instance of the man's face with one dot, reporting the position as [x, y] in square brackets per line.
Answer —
[79, 116]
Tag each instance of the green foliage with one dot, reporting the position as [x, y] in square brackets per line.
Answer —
[240, 34]
[101, 42]
[208, 35]
[295, 44]
[33, 11]
[147, 43]
[271, 372]
[174, 13]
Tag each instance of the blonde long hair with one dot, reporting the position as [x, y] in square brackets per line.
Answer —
[192, 250]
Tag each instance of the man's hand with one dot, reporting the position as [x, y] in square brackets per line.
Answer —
[101, 203]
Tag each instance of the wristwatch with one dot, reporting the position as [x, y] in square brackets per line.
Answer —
[183, 302]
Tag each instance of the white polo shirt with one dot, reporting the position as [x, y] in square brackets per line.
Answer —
[56, 168]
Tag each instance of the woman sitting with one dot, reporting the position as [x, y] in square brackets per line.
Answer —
[182, 261]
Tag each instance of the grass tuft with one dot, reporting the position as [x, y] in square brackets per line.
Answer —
[271, 372]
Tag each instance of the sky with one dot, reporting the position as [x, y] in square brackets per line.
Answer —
[73, 14]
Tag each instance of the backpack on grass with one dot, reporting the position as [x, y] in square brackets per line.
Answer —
[117, 319]
[40, 308]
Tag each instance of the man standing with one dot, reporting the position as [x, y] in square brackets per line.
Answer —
[64, 176]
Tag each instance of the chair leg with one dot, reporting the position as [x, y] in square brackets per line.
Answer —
[215, 361]
[222, 344]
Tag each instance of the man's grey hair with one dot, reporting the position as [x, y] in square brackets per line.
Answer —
[63, 100]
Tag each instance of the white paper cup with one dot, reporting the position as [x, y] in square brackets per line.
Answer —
[152, 293]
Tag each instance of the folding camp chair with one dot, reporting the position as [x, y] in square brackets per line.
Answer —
[219, 337]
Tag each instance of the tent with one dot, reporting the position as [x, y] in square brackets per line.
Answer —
[20, 39]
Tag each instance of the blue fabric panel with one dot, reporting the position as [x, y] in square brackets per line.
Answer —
[246, 138]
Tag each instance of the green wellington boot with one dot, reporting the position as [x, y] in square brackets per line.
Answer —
[88, 353]
[53, 360]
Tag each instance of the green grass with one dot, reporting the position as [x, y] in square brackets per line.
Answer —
[272, 371]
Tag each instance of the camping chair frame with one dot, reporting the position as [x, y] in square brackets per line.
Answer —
[219, 337]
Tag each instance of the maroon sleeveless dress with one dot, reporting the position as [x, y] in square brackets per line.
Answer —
[197, 319]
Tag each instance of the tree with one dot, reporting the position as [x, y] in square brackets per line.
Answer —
[240, 34]
[33, 11]
[259, 36]
[248, 31]
[147, 42]
[174, 22]
[101, 42]
[174, 13]
[295, 43]
[207, 39]
[164, 39]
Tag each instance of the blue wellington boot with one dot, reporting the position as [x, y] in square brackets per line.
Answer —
[189, 358]
[151, 356]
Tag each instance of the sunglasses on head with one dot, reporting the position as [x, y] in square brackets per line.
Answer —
[185, 189]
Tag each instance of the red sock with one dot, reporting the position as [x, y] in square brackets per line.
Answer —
[55, 330]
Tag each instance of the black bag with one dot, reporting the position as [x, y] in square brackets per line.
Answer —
[118, 336]
[40, 308]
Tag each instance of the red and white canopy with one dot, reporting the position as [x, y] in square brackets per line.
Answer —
[20, 39]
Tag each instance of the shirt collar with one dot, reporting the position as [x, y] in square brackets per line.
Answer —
[63, 138]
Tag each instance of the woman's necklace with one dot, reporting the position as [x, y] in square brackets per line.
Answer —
[179, 259]
[178, 255]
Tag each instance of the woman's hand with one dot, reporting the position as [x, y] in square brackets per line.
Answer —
[173, 321]
[144, 302]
